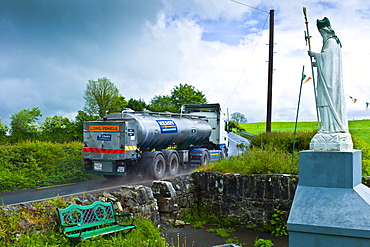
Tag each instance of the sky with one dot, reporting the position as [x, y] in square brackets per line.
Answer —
[49, 50]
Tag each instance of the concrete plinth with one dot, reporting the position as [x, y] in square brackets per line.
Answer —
[331, 207]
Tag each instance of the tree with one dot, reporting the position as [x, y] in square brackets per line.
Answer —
[161, 103]
[77, 126]
[238, 117]
[83, 117]
[136, 104]
[57, 128]
[3, 128]
[186, 94]
[101, 97]
[23, 123]
[118, 104]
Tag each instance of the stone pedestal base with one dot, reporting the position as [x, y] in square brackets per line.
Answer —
[331, 207]
[331, 142]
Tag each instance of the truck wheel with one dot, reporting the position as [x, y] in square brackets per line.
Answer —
[158, 168]
[205, 158]
[173, 164]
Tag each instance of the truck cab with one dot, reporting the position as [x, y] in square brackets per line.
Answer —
[215, 118]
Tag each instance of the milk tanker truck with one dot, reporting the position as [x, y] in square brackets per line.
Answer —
[131, 143]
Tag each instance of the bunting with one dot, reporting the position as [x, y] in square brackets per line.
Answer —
[305, 78]
[354, 100]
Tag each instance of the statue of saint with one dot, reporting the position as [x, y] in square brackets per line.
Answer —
[333, 135]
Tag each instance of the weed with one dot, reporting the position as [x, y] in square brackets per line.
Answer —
[222, 232]
[255, 161]
[58, 202]
[278, 224]
[145, 235]
[235, 240]
[199, 225]
[39, 215]
[199, 215]
[263, 243]
[252, 226]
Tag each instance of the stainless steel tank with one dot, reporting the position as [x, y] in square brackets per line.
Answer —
[161, 130]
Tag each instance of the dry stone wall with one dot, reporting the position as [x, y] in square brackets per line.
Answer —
[41, 216]
[245, 198]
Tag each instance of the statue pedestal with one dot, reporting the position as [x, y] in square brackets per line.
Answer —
[331, 207]
[331, 142]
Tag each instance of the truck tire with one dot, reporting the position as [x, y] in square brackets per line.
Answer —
[173, 164]
[205, 158]
[158, 167]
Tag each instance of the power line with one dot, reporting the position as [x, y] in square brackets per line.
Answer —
[249, 6]
[260, 34]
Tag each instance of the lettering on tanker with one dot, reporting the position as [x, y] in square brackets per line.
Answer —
[167, 126]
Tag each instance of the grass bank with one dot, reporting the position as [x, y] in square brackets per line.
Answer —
[358, 128]
[272, 153]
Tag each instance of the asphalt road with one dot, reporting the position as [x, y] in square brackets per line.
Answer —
[73, 189]
[95, 185]
[235, 139]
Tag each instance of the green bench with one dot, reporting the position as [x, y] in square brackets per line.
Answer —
[83, 222]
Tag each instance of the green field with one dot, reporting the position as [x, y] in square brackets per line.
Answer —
[358, 128]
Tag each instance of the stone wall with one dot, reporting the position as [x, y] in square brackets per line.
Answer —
[245, 198]
[41, 216]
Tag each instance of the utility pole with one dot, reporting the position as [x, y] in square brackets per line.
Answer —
[270, 70]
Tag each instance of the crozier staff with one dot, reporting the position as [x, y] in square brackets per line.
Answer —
[330, 93]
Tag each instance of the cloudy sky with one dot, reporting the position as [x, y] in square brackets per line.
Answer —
[50, 49]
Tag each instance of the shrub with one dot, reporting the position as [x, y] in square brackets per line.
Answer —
[283, 140]
[256, 161]
[29, 164]
[271, 153]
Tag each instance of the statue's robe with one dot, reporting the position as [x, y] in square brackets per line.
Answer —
[330, 93]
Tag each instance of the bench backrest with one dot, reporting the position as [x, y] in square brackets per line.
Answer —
[88, 216]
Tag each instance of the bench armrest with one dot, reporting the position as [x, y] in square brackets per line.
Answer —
[126, 215]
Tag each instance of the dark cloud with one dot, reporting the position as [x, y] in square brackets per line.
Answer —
[50, 49]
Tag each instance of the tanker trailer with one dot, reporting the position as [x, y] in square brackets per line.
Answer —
[129, 143]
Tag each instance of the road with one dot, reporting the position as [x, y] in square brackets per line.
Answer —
[95, 185]
[73, 189]
[235, 139]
